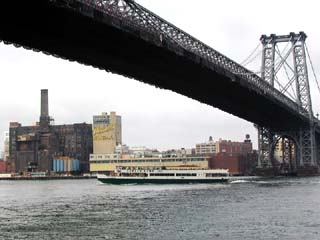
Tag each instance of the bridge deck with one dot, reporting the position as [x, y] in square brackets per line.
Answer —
[109, 44]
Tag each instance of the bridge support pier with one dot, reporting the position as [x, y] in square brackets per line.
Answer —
[265, 140]
[318, 151]
[300, 142]
[298, 152]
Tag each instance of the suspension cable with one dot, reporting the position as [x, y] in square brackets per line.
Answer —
[283, 59]
[313, 71]
[246, 61]
[280, 54]
[290, 81]
[282, 87]
[253, 58]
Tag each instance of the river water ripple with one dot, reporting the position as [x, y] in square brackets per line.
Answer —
[285, 208]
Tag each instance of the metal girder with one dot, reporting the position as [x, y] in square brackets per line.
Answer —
[301, 77]
[268, 54]
[318, 151]
[265, 141]
[307, 147]
[288, 155]
[306, 136]
[283, 38]
[139, 18]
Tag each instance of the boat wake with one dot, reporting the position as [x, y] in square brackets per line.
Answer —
[240, 181]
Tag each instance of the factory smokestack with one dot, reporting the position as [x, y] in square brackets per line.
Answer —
[44, 115]
[44, 103]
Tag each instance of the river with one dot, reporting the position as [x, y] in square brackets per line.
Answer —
[282, 208]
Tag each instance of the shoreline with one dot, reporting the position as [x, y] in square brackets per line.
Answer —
[48, 178]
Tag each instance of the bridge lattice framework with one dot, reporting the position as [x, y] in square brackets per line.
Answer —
[304, 139]
[131, 14]
[128, 13]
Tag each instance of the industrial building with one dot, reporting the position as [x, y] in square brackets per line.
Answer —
[109, 154]
[33, 148]
[107, 133]
[224, 146]
[238, 164]
[238, 157]
[230, 147]
[209, 147]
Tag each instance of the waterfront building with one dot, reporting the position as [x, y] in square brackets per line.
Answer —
[107, 163]
[33, 148]
[230, 147]
[209, 147]
[3, 166]
[238, 157]
[238, 164]
[107, 133]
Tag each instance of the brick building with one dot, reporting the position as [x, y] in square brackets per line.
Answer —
[238, 157]
[33, 148]
[224, 146]
[238, 164]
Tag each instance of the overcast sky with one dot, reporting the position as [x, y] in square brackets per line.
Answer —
[152, 117]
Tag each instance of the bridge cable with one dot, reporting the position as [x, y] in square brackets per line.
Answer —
[290, 81]
[283, 59]
[281, 87]
[313, 71]
[253, 58]
[246, 60]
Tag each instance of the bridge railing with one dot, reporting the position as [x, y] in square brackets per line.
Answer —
[140, 18]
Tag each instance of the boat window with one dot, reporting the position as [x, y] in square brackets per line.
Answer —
[216, 175]
[161, 174]
[186, 174]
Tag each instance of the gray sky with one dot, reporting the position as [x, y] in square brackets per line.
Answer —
[150, 116]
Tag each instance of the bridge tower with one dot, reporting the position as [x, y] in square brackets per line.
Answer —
[304, 138]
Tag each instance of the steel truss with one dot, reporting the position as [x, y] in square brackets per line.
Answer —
[265, 142]
[318, 151]
[288, 147]
[268, 55]
[132, 15]
[305, 136]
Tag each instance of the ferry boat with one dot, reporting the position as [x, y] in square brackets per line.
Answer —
[167, 176]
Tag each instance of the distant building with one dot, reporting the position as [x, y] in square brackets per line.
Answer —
[6, 146]
[122, 149]
[142, 151]
[107, 133]
[33, 148]
[224, 146]
[177, 153]
[238, 157]
[209, 147]
[3, 166]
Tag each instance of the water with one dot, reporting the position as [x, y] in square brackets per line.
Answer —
[85, 209]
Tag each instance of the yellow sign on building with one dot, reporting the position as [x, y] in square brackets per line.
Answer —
[106, 133]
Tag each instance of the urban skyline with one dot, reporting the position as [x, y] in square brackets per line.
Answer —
[167, 120]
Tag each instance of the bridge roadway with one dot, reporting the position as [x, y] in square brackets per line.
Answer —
[75, 31]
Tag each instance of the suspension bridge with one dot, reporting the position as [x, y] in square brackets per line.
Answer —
[123, 37]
